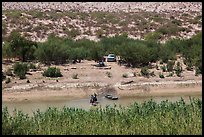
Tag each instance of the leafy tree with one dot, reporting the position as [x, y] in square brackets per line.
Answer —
[7, 51]
[52, 51]
[21, 47]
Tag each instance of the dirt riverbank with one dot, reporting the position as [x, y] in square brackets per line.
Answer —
[91, 79]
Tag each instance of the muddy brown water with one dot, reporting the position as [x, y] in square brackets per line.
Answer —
[28, 106]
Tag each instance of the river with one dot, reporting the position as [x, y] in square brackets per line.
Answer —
[28, 106]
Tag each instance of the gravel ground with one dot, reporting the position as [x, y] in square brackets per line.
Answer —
[106, 6]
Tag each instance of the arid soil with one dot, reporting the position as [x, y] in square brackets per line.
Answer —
[36, 20]
[92, 79]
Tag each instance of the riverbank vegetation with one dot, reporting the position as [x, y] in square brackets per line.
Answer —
[164, 118]
[137, 53]
[133, 53]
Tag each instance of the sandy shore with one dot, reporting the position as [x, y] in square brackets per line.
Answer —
[83, 90]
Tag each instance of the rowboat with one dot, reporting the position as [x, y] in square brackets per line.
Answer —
[95, 103]
[111, 97]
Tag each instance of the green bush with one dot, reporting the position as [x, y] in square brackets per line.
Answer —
[178, 69]
[145, 72]
[161, 75]
[75, 76]
[170, 74]
[20, 69]
[163, 68]
[52, 72]
[197, 71]
[153, 36]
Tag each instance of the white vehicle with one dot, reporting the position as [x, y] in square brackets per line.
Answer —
[111, 57]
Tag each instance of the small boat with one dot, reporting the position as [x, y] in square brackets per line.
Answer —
[111, 97]
[95, 103]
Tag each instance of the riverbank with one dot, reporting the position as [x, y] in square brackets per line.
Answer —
[91, 79]
[84, 90]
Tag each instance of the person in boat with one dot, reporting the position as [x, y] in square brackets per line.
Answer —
[92, 99]
[95, 98]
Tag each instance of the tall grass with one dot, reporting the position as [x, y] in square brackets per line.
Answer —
[165, 118]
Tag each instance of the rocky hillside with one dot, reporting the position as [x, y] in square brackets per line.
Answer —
[93, 20]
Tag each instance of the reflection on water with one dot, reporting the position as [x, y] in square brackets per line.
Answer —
[31, 106]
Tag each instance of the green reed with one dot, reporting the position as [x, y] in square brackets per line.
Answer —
[164, 118]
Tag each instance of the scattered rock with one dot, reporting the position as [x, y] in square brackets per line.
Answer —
[28, 81]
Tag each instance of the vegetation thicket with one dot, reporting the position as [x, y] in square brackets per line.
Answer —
[164, 118]
[136, 53]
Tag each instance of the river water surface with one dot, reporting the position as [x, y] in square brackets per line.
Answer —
[28, 106]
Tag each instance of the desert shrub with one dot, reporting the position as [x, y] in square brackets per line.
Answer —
[125, 75]
[176, 22]
[153, 36]
[163, 68]
[14, 14]
[20, 69]
[99, 33]
[9, 72]
[52, 72]
[75, 76]
[178, 69]
[189, 66]
[73, 33]
[8, 80]
[169, 29]
[109, 74]
[157, 67]
[145, 72]
[161, 75]
[197, 71]
[170, 66]
[170, 74]
[31, 66]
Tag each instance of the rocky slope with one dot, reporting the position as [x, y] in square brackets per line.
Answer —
[93, 20]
